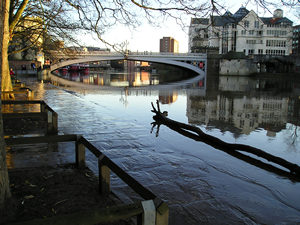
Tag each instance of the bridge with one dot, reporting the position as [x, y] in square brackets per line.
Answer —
[192, 61]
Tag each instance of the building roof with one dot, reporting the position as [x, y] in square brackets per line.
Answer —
[223, 20]
[228, 18]
[241, 13]
[274, 21]
[204, 21]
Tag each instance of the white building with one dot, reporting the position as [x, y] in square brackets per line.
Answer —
[243, 31]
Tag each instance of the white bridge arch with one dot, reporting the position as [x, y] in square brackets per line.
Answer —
[188, 61]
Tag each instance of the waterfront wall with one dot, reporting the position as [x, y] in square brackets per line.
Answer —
[238, 67]
[244, 66]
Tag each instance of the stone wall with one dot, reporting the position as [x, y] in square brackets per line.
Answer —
[237, 67]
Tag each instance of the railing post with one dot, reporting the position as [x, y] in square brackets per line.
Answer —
[28, 93]
[43, 106]
[80, 153]
[162, 212]
[49, 120]
[54, 123]
[149, 215]
[104, 176]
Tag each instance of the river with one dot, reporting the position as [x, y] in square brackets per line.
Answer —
[201, 185]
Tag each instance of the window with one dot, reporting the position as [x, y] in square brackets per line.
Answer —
[243, 32]
[251, 42]
[250, 51]
[260, 51]
[246, 23]
[251, 32]
[256, 24]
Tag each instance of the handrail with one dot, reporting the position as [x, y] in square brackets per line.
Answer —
[129, 180]
[28, 92]
[105, 165]
[52, 117]
[22, 102]
[41, 139]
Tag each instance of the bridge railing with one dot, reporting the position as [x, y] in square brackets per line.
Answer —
[129, 53]
[171, 54]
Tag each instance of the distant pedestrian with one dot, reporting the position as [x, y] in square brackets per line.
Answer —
[12, 74]
[33, 66]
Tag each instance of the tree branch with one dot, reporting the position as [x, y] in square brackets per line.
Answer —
[233, 149]
[17, 16]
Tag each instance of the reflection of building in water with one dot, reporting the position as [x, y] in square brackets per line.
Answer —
[294, 111]
[138, 78]
[242, 113]
[167, 96]
[236, 83]
[141, 78]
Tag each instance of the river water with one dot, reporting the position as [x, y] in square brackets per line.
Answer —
[202, 185]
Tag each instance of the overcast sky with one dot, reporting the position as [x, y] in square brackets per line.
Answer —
[146, 37]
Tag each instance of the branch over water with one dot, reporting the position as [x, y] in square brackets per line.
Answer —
[230, 148]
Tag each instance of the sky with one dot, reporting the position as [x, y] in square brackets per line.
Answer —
[146, 37]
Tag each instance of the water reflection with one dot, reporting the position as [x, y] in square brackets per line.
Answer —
[125, 74]
[236, 104]
[117, 79]
[243, 104]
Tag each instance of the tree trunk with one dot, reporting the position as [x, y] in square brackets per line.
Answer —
[5, 79]
[6, 84]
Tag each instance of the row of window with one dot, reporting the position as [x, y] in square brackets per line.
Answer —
[267, 52]
[285, 25]
[275, 43]
[277, 32]
[272, 106]
[269, 43]
[252, 32]
[269, 32]
[254, 42]
[275, 52]
[260, 32]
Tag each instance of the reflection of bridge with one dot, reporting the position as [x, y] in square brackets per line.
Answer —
[194, 62]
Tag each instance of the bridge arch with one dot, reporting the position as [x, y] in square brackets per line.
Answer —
[169, 62]
[175, 60]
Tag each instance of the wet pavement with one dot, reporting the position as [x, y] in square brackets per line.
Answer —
[200, 184]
